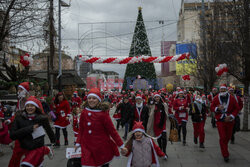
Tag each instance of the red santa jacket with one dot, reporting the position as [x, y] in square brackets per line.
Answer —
[158, 113]
[76, 102]
[156, 151]
[239, 101]
[98, 138]
[76, 120]
[62, 111]
[231, 107]
[180, 114]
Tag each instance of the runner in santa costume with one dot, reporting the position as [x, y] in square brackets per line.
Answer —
[28, 128]
[62, 108]
[226, 109]
[237, 118]
[98, 138]
[76, 101]
[141, 111]
[160, 122]
[210, 98]
[199, 116]
[76, 112]
[141, 149]
[22, 95]
[181, 114]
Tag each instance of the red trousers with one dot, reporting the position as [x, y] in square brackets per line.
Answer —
[32, 157]
[225, 130]
[199, 130]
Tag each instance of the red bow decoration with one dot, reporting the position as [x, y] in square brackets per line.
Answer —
[186, 77]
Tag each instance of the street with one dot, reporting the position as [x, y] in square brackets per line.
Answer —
[179, 155]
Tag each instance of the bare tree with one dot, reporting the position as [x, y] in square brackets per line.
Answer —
[234, 32]
[21, 21]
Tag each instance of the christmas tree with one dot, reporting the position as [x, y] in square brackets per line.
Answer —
[140, 46]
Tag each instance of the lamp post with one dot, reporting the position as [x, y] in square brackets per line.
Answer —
[59, 77]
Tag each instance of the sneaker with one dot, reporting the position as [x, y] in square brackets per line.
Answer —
[195, 140]
[51, 153]
[226, 159]
[202, 145]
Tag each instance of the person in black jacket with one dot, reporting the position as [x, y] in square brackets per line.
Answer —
[198, 116]
[140, 112]
[126, 114]
[28, 128]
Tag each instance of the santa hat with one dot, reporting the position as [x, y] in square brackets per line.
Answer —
[214, 89]
[75, 92]
[42, 98]
[138, 96]
[230, 89]
[33, 100]
[203, 95]
[25, 86]
[138, 127]
[180, 91]
[223, 86]
[157, 95]
[178, 88]
[96, 93]
[125, 96]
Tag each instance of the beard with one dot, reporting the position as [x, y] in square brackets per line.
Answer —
[223, 93]
[139, 105]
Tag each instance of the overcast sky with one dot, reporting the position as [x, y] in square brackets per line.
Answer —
[114, 39]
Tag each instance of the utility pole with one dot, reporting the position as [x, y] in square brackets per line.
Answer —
[59, 48]
[51, 46]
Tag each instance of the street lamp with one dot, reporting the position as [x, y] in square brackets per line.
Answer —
[59, 77]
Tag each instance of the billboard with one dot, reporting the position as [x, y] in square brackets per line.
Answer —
[185, 67]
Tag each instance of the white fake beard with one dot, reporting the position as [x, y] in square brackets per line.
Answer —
[22, 94]
[223, 93]
[139, 105]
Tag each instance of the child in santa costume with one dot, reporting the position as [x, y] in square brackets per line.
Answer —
[98, 138]
[76, 101]
[62, 109]
[141, 149]
[76, 119]
[181, 114]
[226, 109]
[28, 128]
[4, 133]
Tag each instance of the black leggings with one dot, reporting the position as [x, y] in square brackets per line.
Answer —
[65, 134]
[118, 124]
[183, 126]
[106, 165]
[162, 142]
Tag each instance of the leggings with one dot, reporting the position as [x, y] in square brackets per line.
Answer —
[183, 127]
[65, 134]
[162, 142]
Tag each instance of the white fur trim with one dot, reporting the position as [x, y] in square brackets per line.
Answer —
[95, 95]
[31, 102]
[27, 163]
[157, 95]
[20, 86]
[232, 116]
[61, 127]
[138, 130]
[221, 87]
[122, 146]
[138, 97]
[92, 110]
[77, 144]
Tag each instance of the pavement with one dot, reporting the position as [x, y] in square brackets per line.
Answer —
[179, 155]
